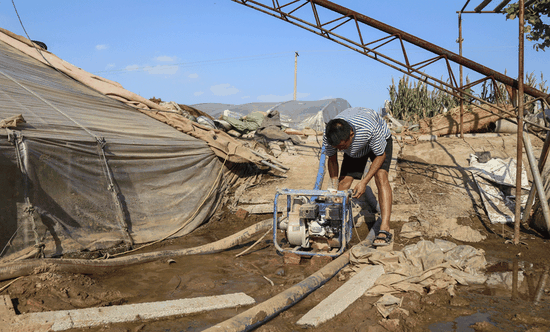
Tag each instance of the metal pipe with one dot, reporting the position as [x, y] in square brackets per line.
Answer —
[431, 47]
[273, 166]
[461, 71]
[519, 164]
[321, 170]
[542, 162]
[538, 181]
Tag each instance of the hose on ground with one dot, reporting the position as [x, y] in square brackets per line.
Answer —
[266, 310]
[84, 266]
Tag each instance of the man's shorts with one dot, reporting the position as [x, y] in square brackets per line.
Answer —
[355, 167]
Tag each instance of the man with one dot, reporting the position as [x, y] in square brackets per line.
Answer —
[362, 134]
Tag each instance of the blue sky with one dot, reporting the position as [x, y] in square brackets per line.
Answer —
[193, 51]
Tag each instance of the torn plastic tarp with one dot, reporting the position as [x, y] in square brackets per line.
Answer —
[422, 266]
[495, 179]
[222, 144]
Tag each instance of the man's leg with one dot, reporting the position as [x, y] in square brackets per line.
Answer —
[385, 199]
[345, 182]
[352, 168]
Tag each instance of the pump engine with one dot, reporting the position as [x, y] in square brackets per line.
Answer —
[316, 217]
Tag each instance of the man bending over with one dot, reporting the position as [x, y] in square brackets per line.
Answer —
[362, 134]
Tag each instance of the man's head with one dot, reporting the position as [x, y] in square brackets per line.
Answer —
[339, 134]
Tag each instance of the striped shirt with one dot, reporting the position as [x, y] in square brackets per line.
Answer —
[371, 133]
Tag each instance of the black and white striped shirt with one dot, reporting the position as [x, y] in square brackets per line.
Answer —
[371, 132]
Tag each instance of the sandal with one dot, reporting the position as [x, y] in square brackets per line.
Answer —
[387, 239]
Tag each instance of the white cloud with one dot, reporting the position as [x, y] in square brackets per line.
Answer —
[110, 65]
[101, 47]
[223, 89]
[165, 58]
[193, 75]
[326, 97]
[161, 70]
[198, 93]
[275, 98]
[245, 97]
[132, 67]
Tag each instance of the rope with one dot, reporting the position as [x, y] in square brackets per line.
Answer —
[255, 243]
[9, 284]
[17, 140]
[113, 188]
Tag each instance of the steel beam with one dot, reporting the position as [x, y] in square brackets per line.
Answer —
[431, 47]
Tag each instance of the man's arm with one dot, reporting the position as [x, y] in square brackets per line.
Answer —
[361, 187]
[333, 170]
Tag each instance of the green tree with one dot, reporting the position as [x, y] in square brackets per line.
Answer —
[536, 29]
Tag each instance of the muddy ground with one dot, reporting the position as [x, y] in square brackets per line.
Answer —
[429, 183]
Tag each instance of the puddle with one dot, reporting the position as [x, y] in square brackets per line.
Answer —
[515, 279]
[463, 323]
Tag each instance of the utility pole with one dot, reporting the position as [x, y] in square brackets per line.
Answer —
[295, 71]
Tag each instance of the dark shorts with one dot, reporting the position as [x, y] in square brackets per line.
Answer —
[355, 167]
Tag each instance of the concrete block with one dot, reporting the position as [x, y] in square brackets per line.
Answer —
[338, 301]
[264, 208]
[6, 307]
[92, 317]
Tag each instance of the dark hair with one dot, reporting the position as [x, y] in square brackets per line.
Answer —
[337, 130]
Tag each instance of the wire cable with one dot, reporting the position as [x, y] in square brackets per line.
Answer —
[29, 38]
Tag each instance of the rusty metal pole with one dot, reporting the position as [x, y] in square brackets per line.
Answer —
[517, 220]
[461, 83]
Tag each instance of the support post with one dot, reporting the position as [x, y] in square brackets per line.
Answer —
[517, 219]
[461, 69]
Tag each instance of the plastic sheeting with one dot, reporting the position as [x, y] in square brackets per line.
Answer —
[422, 266]
[87, 172]
[221, 143]
[496, 180]
[294, 114]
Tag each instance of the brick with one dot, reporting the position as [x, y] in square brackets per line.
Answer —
[291, 258]
[241, 214]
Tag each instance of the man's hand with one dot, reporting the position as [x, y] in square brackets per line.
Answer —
[359, 189]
